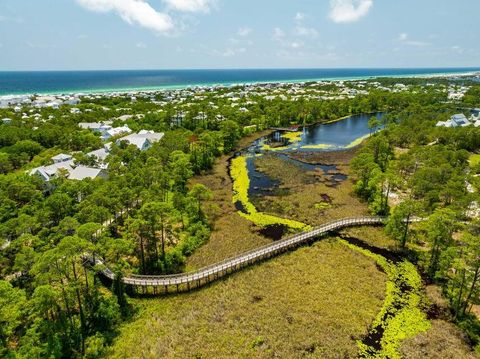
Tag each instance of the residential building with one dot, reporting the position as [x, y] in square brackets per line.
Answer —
[142, 140]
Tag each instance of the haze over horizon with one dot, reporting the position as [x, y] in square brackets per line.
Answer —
[216, 34]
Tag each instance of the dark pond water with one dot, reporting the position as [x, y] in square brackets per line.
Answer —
[335, 135]
[340, 133]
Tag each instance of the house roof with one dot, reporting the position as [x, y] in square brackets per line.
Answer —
[90, 125]
[100, 154]
[61, 157]
[459, 116]
[47, 172]
[82, 172]
[139, 139]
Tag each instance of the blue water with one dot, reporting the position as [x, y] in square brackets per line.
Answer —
[340, 133]
[102, 81]
[336, 135]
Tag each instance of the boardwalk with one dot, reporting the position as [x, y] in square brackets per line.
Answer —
[162, 284]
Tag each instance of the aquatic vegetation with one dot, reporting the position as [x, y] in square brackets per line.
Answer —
[320, 146]
[293, 137]
[357, 142]
[241, 183]
[267, 147]
[401, 316]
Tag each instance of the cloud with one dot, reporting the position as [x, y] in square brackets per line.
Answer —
[299, 16]
[244, 31]
[343, 11]
[278, 33]
[133, 12]
[190, 5]
[405, 40]
[141, 45]
[295, 44]
[306, 31]
[15, 19]
[229, 52]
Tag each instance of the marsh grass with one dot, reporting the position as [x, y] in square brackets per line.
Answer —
[231, 234]
[442, 341]
[303, 190]
[314, 302]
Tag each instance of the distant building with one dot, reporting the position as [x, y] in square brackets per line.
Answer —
[458, 120]
[6, 121]
[177, 119]
[94, 126]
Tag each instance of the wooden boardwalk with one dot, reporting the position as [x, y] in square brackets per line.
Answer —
[163, 284]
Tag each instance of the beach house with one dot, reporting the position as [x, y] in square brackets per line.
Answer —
[142, 140]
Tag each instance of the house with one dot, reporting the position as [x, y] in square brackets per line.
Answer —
[105, 129]
[94, 126]
[64, 163]
[101, 155]
[142, 140]
[115, 131]
[62, 157]
[82, 172]
[6, 121]
[458, 120]
[47, 173]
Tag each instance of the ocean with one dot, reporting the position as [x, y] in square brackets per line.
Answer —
[56, 82]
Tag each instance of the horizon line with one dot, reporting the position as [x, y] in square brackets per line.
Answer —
[254, 69]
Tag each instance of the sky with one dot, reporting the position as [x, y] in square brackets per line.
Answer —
[195, 34]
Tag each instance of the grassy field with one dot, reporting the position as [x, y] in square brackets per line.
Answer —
[311, 303]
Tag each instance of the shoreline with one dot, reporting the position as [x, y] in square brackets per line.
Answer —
[134, 89]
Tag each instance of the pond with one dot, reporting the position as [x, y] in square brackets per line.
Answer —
[323, 137]
[334, 136]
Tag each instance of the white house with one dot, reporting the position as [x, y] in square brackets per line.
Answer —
[62, 157]
[6, 121]
[115, 131]
[47, 173]
[94, 126]
[142, 140]
[64, 163]
[100, 155]
[458, 120]
[82, 172]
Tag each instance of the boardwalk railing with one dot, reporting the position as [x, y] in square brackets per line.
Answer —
[157, 284]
